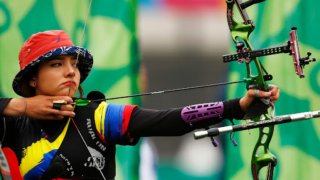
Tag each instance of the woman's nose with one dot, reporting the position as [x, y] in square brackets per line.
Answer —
[70, 69]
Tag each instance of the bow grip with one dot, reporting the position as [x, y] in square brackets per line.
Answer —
[256, 108]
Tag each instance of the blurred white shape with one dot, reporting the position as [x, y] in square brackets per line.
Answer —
[200, 157]
[162, 31]
[148, 161]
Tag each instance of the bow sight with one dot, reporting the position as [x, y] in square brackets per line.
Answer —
[292, 47]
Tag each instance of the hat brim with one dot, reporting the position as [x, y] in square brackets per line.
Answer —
[85, 61]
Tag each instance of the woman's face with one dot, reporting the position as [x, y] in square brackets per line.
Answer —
[57, 77]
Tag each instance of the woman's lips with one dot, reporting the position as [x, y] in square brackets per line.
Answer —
[69, 83]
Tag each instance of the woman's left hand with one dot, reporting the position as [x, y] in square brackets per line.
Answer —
[272, 95]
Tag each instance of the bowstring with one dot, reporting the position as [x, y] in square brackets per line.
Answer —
[77, 61]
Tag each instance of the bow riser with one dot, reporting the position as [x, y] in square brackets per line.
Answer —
[240, 32]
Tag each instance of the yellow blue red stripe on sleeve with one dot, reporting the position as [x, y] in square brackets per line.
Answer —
[112, 121]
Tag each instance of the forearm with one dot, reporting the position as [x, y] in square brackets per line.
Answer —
[12, 106]
[212, 112]
[149, 122]
[174, 122]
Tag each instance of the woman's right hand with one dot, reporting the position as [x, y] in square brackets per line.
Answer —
[39, 107]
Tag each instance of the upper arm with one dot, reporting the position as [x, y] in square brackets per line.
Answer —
[112, 121]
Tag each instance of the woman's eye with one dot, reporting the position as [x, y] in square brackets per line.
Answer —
[55, 64]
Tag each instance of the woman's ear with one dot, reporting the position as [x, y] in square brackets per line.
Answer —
[32, 82]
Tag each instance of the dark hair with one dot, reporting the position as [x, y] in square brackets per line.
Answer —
[25, 87]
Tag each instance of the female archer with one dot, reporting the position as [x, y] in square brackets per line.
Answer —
[77, 140]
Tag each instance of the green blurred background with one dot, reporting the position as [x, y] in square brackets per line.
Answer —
[151, 45]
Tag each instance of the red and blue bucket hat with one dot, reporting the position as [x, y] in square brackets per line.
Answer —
[43, 46]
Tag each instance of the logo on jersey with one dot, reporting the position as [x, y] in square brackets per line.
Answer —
[99, 160]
